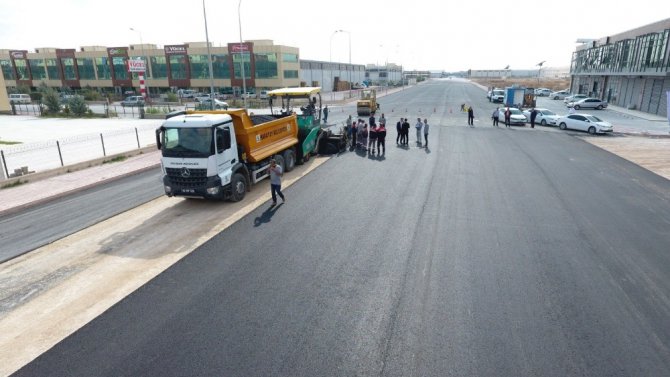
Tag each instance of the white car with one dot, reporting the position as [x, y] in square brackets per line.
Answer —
[215, 104]
[561, 94]
[516, 116]
[542, 92]
[544, 116]
[574, 98]
[584, 122]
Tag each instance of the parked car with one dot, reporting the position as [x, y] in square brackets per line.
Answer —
[544, 116]
[588, 103]
[574, 97]
[133, 101]
[19, 98]
[206, 104]
[542, 92]
[584, 122]
[497, 95]
[516, 116]
[202, 97]
[263, 94]
[186, 93]
[561, 94]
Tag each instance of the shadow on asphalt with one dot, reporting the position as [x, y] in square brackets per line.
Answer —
[266, 216]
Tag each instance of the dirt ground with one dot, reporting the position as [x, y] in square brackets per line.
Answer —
[543, 82]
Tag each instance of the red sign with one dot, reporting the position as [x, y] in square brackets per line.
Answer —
[136, 65]
[239, 48]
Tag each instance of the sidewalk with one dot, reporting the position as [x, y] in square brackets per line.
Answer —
[16, 198]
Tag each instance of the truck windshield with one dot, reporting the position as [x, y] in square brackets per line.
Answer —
[187, 142]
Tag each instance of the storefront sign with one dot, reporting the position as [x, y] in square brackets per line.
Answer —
[174, 50]
[136, 65]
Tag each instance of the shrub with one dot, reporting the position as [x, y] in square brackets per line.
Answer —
[77, 106]
[51, 100]
[171, 97]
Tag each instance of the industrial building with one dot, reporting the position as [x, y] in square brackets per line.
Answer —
[629, 69]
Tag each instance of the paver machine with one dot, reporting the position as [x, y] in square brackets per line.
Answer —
[313, 139]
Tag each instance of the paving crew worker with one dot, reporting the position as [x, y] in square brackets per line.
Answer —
[325, 114]
[471, 116]
[381, 138]
[373, 138]
[348, 127]
[426, 128]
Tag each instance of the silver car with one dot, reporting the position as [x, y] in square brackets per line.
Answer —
[574, 97]
[588, 103]
[584, 122]
[561, 94]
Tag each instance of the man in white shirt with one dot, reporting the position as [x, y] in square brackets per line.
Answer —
[275, 182]
[418, 126]
[426, 128]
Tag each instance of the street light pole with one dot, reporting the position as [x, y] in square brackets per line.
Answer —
[146, 64]
[209, 60]
[330, 62]
[244, 76]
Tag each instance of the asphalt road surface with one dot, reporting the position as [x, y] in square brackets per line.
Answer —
[37, 226]
[495, 252]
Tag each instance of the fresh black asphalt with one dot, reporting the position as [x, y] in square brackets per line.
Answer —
[495, 252]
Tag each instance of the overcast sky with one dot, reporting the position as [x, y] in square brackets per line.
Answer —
[419, 34]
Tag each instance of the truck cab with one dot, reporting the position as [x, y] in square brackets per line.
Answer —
[199, 152]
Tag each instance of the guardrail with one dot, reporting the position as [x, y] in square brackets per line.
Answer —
[23, 159]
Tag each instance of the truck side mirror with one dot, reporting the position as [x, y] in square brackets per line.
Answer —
[159, 132]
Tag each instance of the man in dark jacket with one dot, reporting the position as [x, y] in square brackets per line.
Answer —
[533, 115]
[405, 132]
[381, 139]
[398, 128]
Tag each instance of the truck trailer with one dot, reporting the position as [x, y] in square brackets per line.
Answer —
[221, 154]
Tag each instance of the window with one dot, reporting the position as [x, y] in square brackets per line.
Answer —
[69, 70]
[237, 61]
[290, 74]
[266, 66]
[199, 66]
[86, 70]
[291, 58]
[120, 69]
[38, 69]
[178, 67]
[104, 71]
[22, 69]
[158, 67]
[53, 72]
[7, 70]
[220, 66]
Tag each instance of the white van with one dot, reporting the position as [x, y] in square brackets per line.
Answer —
[19, 98]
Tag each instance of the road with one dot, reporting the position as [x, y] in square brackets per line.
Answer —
[42, 224]
[493, 252]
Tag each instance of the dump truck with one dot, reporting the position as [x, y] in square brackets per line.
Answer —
[221, 154]
[368, 103]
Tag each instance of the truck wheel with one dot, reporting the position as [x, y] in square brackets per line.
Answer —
[289, 159]
[238, 187]
[280, 162]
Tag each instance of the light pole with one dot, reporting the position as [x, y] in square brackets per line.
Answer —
[330, 61]
[146, 63]
[244, 76]
[538, 71]
[331, 53]
[209, 60]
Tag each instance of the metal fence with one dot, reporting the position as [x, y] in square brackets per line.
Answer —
[102, 108]
[28, 158]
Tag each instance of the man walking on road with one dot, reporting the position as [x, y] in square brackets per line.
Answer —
[426, 128]
[471, 117]
[495, 115]
[275, 182]
[418, 130]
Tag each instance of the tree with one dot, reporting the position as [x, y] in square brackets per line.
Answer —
[51, 100]
[78, 106]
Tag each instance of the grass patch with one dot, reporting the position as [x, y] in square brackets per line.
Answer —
[13, 184]
[9, 142]
[115, 159]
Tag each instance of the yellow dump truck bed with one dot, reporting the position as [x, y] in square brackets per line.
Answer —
[261, 136]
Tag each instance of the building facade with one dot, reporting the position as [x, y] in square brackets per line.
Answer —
[630, 69]
[173, 66]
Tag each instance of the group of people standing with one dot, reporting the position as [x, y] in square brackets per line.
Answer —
[370, 138]
[496, 114]
[402, 127]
